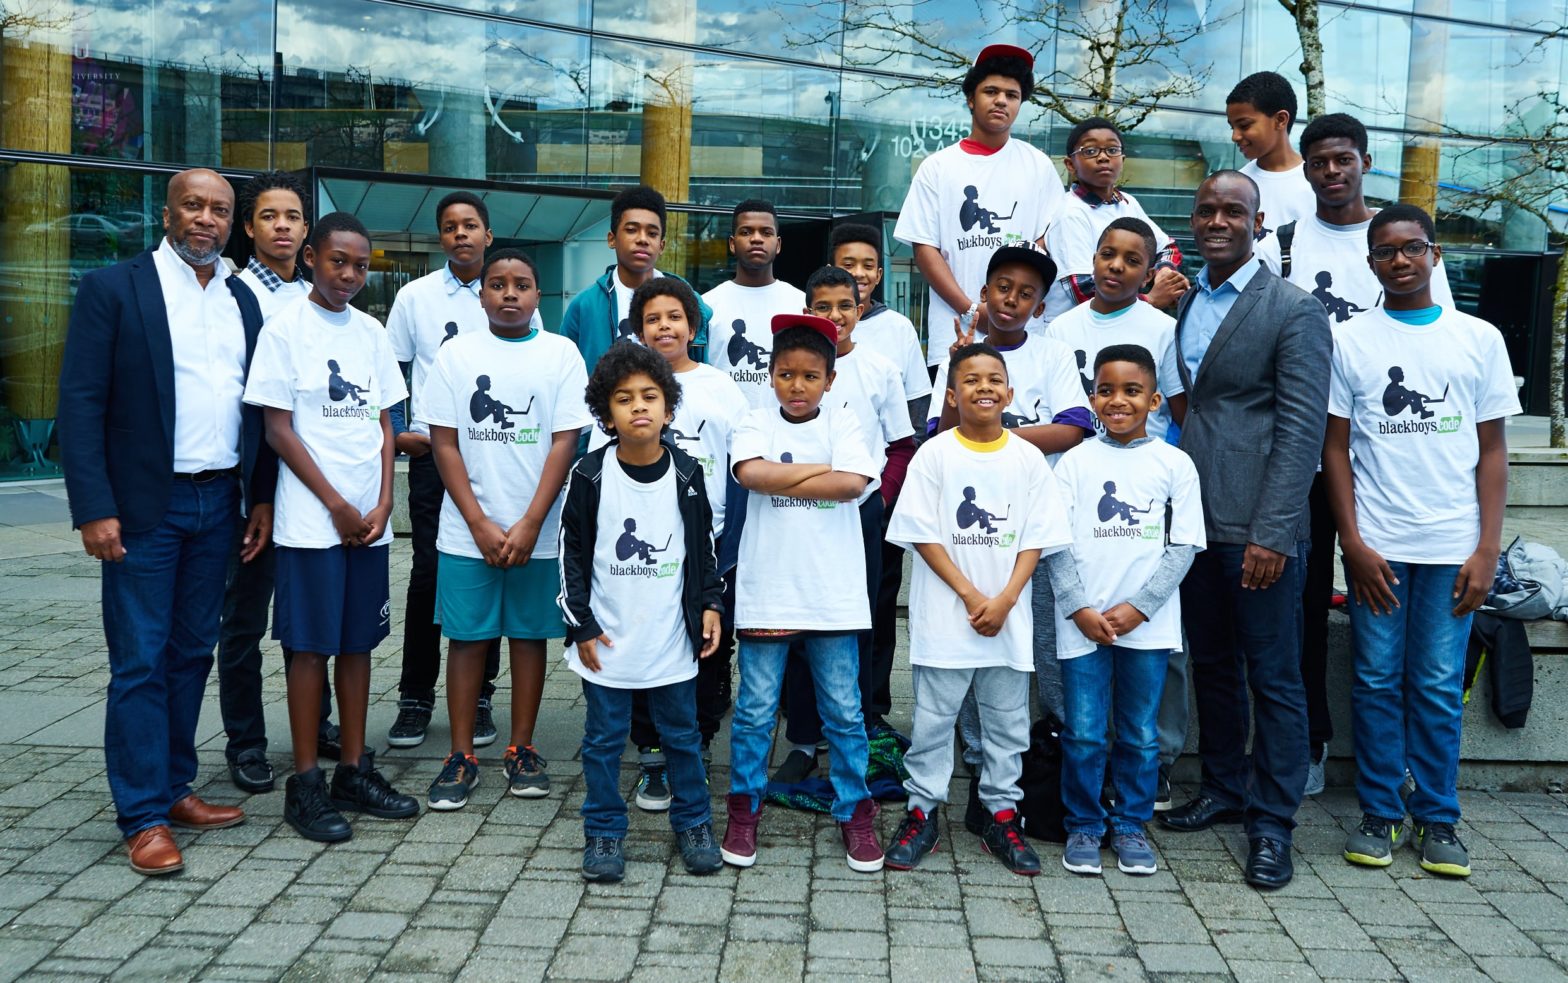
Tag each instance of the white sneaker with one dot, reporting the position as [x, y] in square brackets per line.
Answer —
[1315, 776]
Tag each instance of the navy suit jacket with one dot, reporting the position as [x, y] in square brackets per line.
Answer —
[116, 416]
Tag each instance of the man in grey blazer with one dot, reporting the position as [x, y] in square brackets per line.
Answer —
[1255, 365]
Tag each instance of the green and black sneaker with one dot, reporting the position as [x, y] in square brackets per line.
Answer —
[1373, 842]
[1441, 851]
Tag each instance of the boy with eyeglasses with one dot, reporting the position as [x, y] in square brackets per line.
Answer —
[1095, 155]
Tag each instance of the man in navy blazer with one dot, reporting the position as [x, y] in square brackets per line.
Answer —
[162, 462]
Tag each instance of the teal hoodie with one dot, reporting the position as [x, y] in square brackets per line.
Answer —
[591, 321]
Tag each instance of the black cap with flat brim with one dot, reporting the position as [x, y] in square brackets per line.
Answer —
[1028, 256]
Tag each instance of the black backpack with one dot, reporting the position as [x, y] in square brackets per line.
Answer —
[1040, 812]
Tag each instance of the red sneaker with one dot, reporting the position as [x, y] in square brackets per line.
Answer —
[739, 848]
[860, 838]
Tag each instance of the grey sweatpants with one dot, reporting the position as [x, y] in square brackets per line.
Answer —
[1047, 673]
[1002, 695]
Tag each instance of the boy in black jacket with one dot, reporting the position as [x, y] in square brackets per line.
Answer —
[642, 605]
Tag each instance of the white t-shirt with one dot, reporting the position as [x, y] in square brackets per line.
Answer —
[970, 205]
[639, 555]
[1075, 238]
[983, 504]
[1085, 333]
[710, 409]
[802, 562]
[623, 307]
[1330, 263]
[1286, 196]
[1115, 499]
[505, 399]
[893, 336]
[740, 333]
[334, 370]
[273, 301]
[428, 313]
[1413, 440]
[1044, 377]
[868, 385]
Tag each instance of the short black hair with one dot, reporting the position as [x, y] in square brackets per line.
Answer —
[1007, 66]
[462, 198]
[505, 254]
[1092, 123]
[627, 358]
[664, 286]
[855, 232]
[750, 205]
[335, 222]
[1332, 126]
[802, 339]
[1402, 213]
[1268, 93]
[1231, 172]
[1136, 354]
[642, 197]
[245, 203]
[966, 352]
[1137, 227]
[830, 276]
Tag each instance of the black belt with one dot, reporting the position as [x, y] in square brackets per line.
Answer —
[204, 476]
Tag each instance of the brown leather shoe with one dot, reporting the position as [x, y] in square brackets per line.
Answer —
[153, 852]
[192, 813]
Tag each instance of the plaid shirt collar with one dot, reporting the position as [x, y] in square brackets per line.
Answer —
[264, 273]
[1094, 200]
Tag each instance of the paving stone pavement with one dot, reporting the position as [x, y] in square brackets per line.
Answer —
[492, 892]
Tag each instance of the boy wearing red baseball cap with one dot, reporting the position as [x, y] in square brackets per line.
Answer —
[806, 465]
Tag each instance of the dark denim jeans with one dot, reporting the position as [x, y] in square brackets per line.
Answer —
[607, 724]
[1407, 697]
[161, 606]
[1237, 639]
[1123, 684]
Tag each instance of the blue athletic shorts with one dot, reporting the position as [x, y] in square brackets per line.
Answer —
[333, 600]
[476, 602]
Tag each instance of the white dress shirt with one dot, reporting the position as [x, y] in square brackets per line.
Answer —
[207, 337]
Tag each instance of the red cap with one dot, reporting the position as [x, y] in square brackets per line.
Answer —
[820, 325]
[1004, 51]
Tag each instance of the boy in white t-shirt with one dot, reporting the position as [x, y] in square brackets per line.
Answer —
[799, 579]
[858, 249]
[640, 588]
[504, 413]
[978, 509]
[1137, 522]
[744, 306]
[1095, 154]
[324, 373]
[973, 197]
[1261, 110]
[1416, 461]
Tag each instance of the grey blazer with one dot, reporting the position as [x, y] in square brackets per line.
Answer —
[1257, 411]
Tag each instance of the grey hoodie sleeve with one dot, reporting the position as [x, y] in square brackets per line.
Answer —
[1162, 583]
[1065, 582]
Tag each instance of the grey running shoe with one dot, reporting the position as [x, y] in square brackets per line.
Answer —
[1441, 851]
[653, 789]
[1133, 853]
[1373, 842]
[1081, 855]
[1315, 772]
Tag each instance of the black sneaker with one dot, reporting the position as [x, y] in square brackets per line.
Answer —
[413, 718]
[1162, 791]
[975, 816]
[307, 809]
[251, 772]
[526, 776]
[602, 859]
[916, 837]
[653, 788]
[484, 723]
[1005, 841]
[361, 788]
[459, 777]
[699, 850]
[329, 742]
[797, 767]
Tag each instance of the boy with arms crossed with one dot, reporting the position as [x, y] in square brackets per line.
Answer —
[1137, 521]
[640, 587]
[1416, 461]
[800, 578]
[504, 419]
[978, 508]
[323, 371]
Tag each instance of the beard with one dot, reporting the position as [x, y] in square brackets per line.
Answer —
[183, 249]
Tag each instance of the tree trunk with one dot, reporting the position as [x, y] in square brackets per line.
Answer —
[1306, 13]
[1559, 349]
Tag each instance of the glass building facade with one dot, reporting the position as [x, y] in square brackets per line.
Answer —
[825, 107]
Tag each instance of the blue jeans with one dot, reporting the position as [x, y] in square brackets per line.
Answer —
[1408, 695]
[608, 722]
[1237, 640]
[1137, 679]
[161, 609]
[835, 671]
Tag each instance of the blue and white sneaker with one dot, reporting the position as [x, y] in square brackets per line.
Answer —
[1133, 853]
[1081, 855]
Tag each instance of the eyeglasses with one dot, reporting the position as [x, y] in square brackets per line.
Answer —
[1090, 153]
[1414, 249]
[825, 309]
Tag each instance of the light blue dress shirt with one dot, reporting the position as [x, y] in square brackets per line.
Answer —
[1208, 308]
